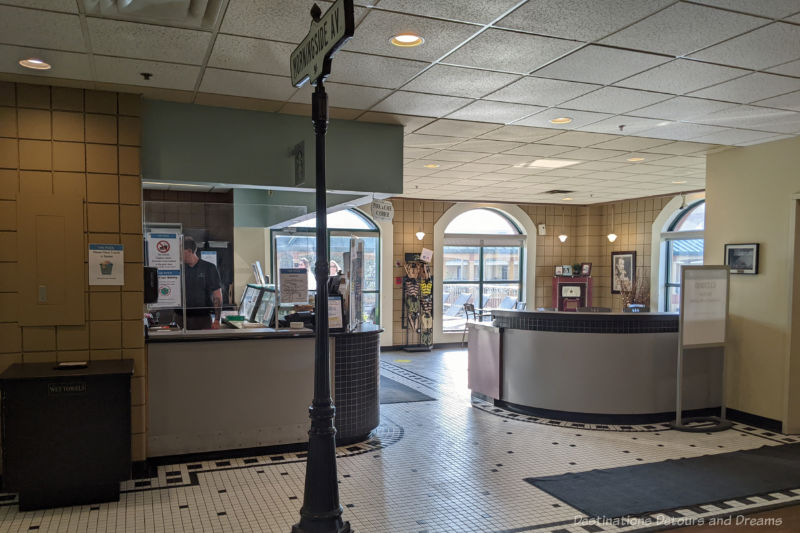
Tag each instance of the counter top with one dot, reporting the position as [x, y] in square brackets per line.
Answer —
[248, 333]
[570, 321]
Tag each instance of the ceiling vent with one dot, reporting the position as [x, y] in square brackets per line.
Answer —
[195, 14]
[557, 191]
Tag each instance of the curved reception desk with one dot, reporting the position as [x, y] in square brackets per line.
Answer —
[590, 367]
[226, 389]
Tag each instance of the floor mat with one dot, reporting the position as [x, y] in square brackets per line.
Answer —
[640, 489]
[394, 392]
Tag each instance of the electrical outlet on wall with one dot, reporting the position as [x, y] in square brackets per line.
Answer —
[542, 229]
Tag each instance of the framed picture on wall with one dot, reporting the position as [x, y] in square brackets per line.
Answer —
[742, 258]
[623, 270]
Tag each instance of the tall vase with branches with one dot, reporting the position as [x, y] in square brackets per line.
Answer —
[636, 291]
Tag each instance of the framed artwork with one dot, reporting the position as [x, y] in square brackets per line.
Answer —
[742, 258]
[586, 269]
[566, 269]
[559, 271]
[623, 270]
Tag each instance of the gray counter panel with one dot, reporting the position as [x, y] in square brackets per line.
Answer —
[605, 373]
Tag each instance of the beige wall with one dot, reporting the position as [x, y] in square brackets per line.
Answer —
[749, 200]
[59, 138]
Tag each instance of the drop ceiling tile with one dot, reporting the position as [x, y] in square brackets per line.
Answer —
[456, 174]
[165, 75]
[505, 159]
[509, 51]
[410, 123]
[766, 140]
[371, 70]
[683, 28]
[420, 104]
[681, 161]
[648, 158]
[411, 171]
[273, 19]
[598, 64]
[478, 167]
[541, 91]
[416, 140]
[476, 12]
[246, 84]
[146, 41]
[757, 118]
[681, 76]
[66, 65]
[65, 6]
[343, 95]
[456, 128]
[629, 143]
[570, 172]
[590, 154]
[599, 165]
[735, 137]
[631, 125]
[760, 49]
[794, 18]
[614, 100]
[372, 35]
[757, 86]
[442, 165]
[520, 133]
[41, 29]
[791, 68]
[579, 118]
[458, 81]
[454, 155]
[772, 9]
[787, 101]
[539, 150]
[522, 171]
[414, 153]
[252, 55]
[497, 112]
[579, 19]
[578, 138]
[486, 146]
[681, 131]
[680, 148]
[682, 108]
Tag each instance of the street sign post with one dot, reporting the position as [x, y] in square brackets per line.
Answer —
[311, 61]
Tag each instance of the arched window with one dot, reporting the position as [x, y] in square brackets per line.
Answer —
[296, 244]
[482, 264]
[683, 240]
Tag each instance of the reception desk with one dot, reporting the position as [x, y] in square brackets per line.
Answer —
[213, 390]
[590, 367]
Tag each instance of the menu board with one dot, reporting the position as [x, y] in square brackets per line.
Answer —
[164, 252]
[704, 305]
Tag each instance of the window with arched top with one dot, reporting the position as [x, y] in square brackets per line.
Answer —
[483, 254]
[684, 244]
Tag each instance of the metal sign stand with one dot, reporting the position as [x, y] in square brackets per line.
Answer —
[311, 60]
[710, 423]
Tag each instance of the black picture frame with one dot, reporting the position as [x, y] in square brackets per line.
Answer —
[742, 258]
[622, 271]
[586, 269]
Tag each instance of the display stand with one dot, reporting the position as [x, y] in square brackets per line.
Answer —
[417, 308]
[703, 324]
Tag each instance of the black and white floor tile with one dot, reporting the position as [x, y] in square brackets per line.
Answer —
[454, 465]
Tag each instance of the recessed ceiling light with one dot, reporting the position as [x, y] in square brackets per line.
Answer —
[560, 120]
[552, 163]
[635, 159]
[665, 123]
[679, 182]
[35, 64]
[431, 165]
[567, 199]
[407, 40]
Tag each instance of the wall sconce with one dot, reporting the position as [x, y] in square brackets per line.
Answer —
[612, 236]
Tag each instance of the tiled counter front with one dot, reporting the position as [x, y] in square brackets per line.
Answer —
[356, 382]
[587, 322]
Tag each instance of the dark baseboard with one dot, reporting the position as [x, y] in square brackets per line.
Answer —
[442, 345]
[754, 420]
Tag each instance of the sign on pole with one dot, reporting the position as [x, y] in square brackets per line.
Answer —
[311, 60]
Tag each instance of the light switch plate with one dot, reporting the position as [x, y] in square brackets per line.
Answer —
[42, 294]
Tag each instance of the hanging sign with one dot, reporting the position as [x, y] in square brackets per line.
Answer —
[382, 210]
[106, 264]
[164, 251]
[311, 60]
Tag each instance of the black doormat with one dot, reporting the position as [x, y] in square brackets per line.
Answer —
[394, 392]
[674, 484]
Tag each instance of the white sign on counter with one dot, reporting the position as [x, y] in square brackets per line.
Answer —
[106, 264]
[704, 306]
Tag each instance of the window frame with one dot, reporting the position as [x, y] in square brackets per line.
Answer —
[671, 235]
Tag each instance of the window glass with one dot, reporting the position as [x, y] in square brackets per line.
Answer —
[347, 219]
[692, 220]
[461, 263]
[682, 252]
[481, 221]
[501, 263]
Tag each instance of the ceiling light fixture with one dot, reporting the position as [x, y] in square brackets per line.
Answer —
[679, 182]
[552, 163]
[431, 165]
[407, 40]
[612, 236]
[35, 64]
[567, 199]
[563, 236]
[420, 234]
[635, 159]
[560, 120]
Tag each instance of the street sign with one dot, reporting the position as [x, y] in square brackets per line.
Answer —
[311, 60]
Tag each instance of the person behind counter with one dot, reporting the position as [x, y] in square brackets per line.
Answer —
[203, 289]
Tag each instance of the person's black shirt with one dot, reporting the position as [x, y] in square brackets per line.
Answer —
[201, 281]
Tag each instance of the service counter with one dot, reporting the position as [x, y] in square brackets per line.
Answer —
[590, 367]
[224, 389]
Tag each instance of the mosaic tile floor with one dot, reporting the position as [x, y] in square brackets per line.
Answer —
[452, 464]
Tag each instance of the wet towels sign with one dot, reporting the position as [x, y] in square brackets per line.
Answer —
[106, 264]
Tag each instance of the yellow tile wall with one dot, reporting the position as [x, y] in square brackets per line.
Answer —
[53, 139]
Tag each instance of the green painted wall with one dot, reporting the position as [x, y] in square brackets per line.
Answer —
[194, 143]
[257, 208]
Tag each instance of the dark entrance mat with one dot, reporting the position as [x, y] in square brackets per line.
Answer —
[673, 484]
[394, 392]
